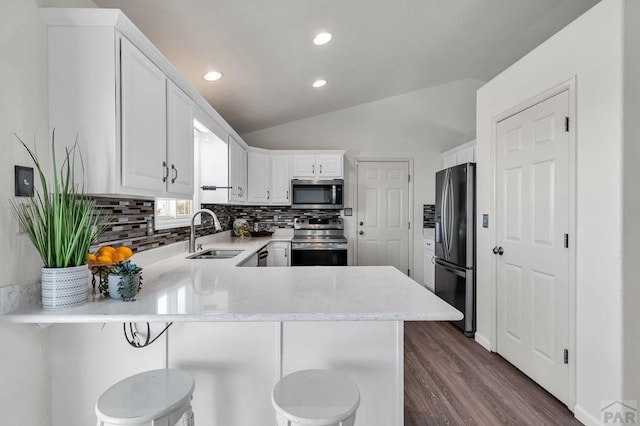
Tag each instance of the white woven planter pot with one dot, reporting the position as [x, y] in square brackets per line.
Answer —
[64, 288]
[114, 281]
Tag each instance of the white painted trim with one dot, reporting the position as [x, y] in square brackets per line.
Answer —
[570, 86]
[483, 341]
[584, 417]
[400, 373]
[412, 220]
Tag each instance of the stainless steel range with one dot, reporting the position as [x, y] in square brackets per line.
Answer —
[318, 242]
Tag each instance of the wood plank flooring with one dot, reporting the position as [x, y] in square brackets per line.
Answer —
[451, 380]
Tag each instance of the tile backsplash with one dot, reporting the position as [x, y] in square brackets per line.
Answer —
[129, 217]
[428, 215]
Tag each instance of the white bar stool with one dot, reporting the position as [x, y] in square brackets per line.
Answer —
[153, 398]
[315, 398]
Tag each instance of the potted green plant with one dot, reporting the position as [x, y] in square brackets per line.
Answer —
[62, 223]
[123, 280]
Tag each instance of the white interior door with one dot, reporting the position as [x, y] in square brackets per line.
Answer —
[532, 200]
[383, 214]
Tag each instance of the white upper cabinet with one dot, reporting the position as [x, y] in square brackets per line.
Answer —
[144, 121]
[465, 153]
[180, 141]
[269, 177]
[237, 171]
[109, 86]
[280, 179]
[317, 166]
[259, 175]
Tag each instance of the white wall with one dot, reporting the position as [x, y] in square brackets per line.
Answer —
[631, 245]
[418, 125]
[589, 49]
[25, 382]
[24, 371]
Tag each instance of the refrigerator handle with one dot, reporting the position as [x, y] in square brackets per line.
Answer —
[451, 210]
[438, 233]
[444, 214]
[448, 269]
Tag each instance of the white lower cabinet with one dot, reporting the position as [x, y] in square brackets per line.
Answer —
[429, 263]
[279, 253]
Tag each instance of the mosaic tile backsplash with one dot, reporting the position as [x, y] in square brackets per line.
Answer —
[428, 215]
[129, 217]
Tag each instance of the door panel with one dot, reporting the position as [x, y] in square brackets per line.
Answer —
[532, 200]
[383, 214]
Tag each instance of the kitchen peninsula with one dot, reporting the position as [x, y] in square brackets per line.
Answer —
[238, 330]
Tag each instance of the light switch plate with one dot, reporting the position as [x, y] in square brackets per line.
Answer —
[348, 211]
[485, 220]
[23, 181]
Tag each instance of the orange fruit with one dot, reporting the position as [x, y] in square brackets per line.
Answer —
[118, 257]
[126, 252]
[91, 258]
[106, 250]
[105, 259]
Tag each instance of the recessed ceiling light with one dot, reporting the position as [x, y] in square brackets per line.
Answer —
[322, 38]
[319, 83]
[212, 76]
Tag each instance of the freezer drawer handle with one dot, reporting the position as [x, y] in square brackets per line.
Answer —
[498, 250]
[458, 273]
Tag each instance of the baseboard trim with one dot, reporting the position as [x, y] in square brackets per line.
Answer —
[584, 417]
[483, 341]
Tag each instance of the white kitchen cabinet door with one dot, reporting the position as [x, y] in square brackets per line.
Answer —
[259, 175]
[467, 153]
[303, 166]
[329, 166]
[279, 253]
[429, 263]
[280, 179]
[237, 171]
[449, 159]
[180, 142]
[144, 114]
[317, 166]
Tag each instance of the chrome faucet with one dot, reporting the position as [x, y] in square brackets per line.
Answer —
[192, 236]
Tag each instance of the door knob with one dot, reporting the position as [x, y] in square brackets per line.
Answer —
[361, 232]
[498, 250]
[361, 223]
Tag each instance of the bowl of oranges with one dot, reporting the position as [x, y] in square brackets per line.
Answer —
[107, 255]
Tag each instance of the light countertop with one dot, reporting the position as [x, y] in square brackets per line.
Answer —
[180, 289]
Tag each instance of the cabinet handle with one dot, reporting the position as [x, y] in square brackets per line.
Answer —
[287, 194]
[313, 169]
[320, 168]
[175, 173]
[268, 194]
[166, 171]
[286, 252]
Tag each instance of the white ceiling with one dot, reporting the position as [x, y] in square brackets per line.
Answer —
[380, 48]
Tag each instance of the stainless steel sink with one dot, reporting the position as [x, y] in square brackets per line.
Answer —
[215, 254]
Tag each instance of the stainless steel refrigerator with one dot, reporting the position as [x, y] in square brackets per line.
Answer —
[456, 241]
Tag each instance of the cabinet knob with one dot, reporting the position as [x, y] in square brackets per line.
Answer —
[175, 173]
[166, 171]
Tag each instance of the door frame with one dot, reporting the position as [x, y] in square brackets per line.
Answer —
[410, 206]
[570, 86]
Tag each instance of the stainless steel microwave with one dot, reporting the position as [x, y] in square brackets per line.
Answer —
[317, 194]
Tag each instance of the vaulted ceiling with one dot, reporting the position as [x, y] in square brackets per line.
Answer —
[380, 48]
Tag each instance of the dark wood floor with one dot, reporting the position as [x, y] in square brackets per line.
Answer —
[451, 380]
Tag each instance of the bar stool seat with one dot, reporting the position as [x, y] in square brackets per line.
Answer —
[154, 398]
[315, 398]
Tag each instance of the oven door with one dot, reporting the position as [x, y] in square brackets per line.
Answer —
[318, 254]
